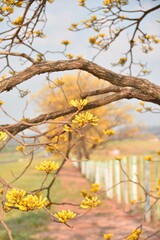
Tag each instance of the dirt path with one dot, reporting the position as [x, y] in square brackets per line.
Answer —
[108, 218]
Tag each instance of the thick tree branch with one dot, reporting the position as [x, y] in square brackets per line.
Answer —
[146, 87]
[126, 93]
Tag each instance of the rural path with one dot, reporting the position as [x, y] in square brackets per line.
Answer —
[108, 218]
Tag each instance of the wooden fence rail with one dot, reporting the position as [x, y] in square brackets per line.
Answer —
[119, 180]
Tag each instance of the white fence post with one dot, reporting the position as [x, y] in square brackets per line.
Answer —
[117, 180]
[147, 187]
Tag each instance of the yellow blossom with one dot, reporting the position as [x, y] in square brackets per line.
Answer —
[102, 35]
[47, 166]
[20, 148]
[139, 110]
[78, 103]
[93, 18]
[95, 187]
[19, 3]
[65, 215]
[109, 132]
[14, 197]
[122, 17]
[97, 139]
[17, 21]
[8, 9]
[84, 193]
[39, 33]
[122, 61]
[148, 158]
[62, 138]
[31, 202]
[1, 102]
[1, 20]
[59, 82]
[135, 235]
[51, 148]
[119, 158]
[73, 26]
[85, 118]
[90, 202]
[82, 3]
[108, 236]
[133, 202]
[66, 128]
[65, 42]
[3, 136]
[141, 103]
[25, 119]
[1, 190]
[106, 2]
[92, 40]
[69, 55]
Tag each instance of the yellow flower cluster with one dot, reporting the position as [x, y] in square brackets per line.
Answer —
[107, 2]
[8, 9]
[1, 102]
[69, 55]
[78, 103]
[135, 235]
[109, 132]
[66, 128]
[97, 40]
[95, 187]
[1, 190]
[139, 110]
[3, 136]
[73, 26]
[133, 202]
[148, 158]
[85, 118]
[47, 166]
[90, 202]
[65, 215]
[81, 3]
[97, 139]
[17, 198]
[61, 138]
[25, 119]
[20, 148]
[119, 158]
[108, 236]
[52, 148]
[122, 61]
[59, 82]
[65, 42]
[39, 33]
[18, 21]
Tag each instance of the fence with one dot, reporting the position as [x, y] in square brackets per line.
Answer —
[119, 180]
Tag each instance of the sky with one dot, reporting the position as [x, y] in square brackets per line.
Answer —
[60, 15]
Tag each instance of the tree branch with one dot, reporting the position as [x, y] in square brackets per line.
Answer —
[146, 87]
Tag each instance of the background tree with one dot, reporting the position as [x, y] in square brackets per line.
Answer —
[112, 119]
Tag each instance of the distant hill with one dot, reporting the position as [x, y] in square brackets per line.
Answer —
[154, 131]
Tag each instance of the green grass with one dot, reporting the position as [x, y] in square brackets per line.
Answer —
[127, 147]
[26, 224]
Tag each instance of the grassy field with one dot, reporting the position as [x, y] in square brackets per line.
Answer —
[25, 224]
[126, 147]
